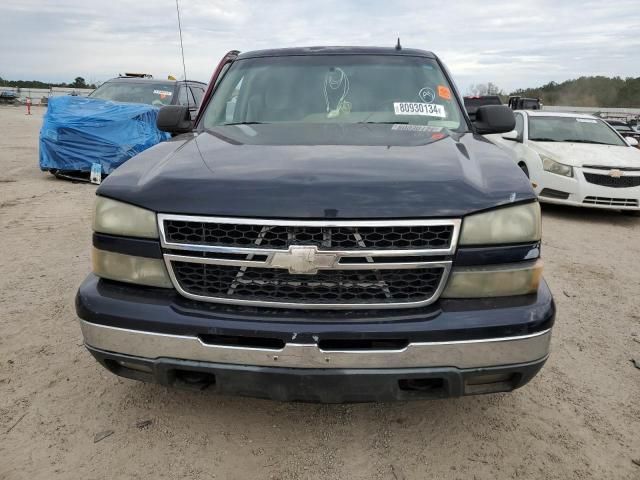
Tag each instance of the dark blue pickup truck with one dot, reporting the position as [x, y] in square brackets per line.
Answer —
[329, 227]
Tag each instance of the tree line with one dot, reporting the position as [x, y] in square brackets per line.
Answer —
[588, 92]
[79, 82]
[597, 91]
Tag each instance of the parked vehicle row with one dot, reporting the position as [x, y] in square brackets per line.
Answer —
[571, 159]
[473, 102]
[626, 130]
[575, 159]
[522, 103]
[8, 98]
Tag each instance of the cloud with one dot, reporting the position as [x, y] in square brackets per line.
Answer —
[513, 44]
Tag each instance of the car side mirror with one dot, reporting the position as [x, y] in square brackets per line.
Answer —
[174, 119]
[513, 135]
[632, 141]
[494, 119]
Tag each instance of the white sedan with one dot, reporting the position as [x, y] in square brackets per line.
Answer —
[575, 159]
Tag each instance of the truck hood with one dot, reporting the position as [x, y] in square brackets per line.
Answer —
[321, 171]
[590, 154]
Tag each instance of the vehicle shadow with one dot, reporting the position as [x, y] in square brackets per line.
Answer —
[209, 407]
[366, 440]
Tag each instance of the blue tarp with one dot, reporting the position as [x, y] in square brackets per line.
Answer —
[78, 132]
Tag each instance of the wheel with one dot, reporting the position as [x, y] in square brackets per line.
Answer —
[524, 168]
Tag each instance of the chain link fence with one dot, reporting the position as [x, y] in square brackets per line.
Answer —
[39, 95]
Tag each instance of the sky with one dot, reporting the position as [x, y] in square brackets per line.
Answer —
[514, 44]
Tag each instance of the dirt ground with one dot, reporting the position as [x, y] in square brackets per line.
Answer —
[580, 418]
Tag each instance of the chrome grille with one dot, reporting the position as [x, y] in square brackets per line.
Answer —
[332, 237]
[309, 264]
[325, 287]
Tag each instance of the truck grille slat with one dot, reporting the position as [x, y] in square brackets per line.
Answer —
[349, 286]
[200, 233]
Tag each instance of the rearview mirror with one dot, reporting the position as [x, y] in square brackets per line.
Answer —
[174, 119]
[512, 135]
[632, 141]
[494, 119]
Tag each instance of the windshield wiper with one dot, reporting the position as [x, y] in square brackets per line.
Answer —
[579, 140]
[243, 123]
[385, 123]
[543, 139]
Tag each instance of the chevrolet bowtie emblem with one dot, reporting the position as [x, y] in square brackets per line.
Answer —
[615, 173]
[303, 259]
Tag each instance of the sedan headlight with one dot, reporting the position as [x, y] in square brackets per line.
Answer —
[551, 166]
[119, 218]
[517, 224]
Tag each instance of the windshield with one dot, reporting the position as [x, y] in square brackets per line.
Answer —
[335, 89]
[158, 94]
[572, 129]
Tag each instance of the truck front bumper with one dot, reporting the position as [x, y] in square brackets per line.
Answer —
[452, 349]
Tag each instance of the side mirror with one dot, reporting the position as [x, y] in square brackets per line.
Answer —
[494, 119]
[512, 135]
[174, 119]
[632, 141]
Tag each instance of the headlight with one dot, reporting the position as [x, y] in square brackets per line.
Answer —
[118, 218]
[494, 280]
[127, 268]
[517, 224]
[551, 166]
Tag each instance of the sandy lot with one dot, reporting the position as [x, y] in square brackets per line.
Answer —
[580, 418]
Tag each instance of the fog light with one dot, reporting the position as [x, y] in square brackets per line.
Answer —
[135, 366]
[493, 378]
[490, 383]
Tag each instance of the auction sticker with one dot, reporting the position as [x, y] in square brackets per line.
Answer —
[415, 128]
[163, 93]
[415, 108]
[444, 92]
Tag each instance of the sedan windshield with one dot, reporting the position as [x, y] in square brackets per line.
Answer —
[158, 94]
[335, 89]
[572, 129]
